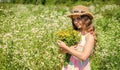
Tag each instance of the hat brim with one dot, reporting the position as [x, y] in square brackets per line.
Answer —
[80, 14]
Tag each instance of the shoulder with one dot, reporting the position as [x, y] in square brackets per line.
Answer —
[90, 40]
[89, 36]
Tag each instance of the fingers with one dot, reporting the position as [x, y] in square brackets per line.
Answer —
[61, 44]
[59, 41]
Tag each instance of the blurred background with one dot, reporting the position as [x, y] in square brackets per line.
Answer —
[58, 2]
[28, 39]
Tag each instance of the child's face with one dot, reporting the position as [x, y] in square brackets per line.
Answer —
[77, 21]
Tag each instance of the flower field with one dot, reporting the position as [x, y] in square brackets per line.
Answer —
[28, 42]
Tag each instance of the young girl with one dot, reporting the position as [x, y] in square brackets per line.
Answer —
[82, 22]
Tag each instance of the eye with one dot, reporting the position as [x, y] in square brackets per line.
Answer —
[79, 18]
[82, 11]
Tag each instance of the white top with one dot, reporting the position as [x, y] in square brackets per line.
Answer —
[81, 44]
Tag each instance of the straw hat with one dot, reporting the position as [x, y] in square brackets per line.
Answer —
[80, 10]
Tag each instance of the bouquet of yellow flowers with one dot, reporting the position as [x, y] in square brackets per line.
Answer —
[70, 37]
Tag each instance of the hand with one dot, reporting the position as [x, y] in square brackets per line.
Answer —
[61, 44]
[63, 51]
[73, 47]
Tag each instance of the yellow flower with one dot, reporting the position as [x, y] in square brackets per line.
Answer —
[69, 36]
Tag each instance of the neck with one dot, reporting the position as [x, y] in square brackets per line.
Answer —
[82, 32]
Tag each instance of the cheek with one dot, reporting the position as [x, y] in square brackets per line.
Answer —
[82, 23]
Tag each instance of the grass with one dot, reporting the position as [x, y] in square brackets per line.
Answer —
[27, 40]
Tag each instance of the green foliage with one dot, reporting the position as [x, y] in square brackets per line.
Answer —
[27, 39]
[107, 25]
[61, 2]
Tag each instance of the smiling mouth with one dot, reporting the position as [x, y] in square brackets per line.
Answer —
[78, 25]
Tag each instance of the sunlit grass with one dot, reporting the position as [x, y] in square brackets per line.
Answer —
[28, 42]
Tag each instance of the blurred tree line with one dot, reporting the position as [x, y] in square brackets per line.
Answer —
[46, 2]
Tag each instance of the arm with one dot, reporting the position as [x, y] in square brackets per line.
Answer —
[63, 51]
[87, 49]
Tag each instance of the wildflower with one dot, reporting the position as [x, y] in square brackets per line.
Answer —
[70, 37]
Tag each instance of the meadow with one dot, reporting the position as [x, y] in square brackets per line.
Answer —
[28, 42]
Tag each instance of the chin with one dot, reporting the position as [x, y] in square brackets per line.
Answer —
[79, 27]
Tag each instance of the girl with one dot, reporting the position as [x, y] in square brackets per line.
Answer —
[82, 22]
